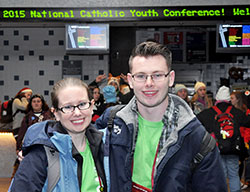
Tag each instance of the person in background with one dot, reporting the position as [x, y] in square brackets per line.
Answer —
[246, 97]
[230, 157]
[200, 100]
[123, 92]
[237, 101]
[156, 135]
[99, 100]
[37, 111]
[73, 136]
[100, 81]
[110, 98]
[115, 82]
[19, 107]
[182, 91]
[125, 89]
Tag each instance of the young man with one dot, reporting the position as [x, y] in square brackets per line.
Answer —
[156, 135]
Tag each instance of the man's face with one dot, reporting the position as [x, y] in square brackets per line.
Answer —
[150, 93]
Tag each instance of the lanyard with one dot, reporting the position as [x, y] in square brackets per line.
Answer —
[101, 188]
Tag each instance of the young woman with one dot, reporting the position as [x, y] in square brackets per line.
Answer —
[237, 101]
[78, 143]
[37, 111]
[200, 100]
[99, 100]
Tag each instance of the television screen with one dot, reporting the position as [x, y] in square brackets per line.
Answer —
[87, 38]
[233, 38]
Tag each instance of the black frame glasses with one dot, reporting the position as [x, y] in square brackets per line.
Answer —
[141, 77]
[71, 108]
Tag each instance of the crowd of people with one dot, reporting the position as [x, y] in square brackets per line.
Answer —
[154, 140]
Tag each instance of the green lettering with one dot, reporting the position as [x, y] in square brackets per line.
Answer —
[132, 12]
[200, 13]
[110, 13]
[83, 13]
[105, 14]
[217, 13]
[190, 13]
[71, 13]
[236, 11]
[35, 14]
[54, 14]
[211, 13]
[247, 11]
[44, 13]
[121, 13]
[93, 13]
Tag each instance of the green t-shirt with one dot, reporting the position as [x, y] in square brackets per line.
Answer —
[145, 150]
[90, 181]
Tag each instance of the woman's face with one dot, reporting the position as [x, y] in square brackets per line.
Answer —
[96, 94]
[233, 99]
[36, 104]
[28, 95]
[202, 92]
[77, 121]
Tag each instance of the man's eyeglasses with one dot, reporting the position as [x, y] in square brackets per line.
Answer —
[71, 108]
[141, 77]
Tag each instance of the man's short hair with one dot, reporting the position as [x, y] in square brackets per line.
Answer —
[149, 48]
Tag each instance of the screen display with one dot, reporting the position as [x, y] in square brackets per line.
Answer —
[233, 38]
[87, 38]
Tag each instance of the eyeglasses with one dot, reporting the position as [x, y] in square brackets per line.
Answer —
[71, 108]
[141, 77]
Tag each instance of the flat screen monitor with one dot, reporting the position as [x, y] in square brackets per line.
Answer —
[87, 38]
[233, 38]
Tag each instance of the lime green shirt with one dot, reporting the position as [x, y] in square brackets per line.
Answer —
[90, 181]
[145, 150]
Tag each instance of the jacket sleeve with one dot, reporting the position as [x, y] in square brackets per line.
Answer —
[21, 132]
[32, 172]
[102, 122]
[209, 175]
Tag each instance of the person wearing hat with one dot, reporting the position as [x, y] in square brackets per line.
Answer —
[19, 107]
[182, 92]
[200, 100]
[115, 82]
[110, 97]
[230, 158]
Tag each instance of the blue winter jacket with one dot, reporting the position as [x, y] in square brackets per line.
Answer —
[32, 173]
[173, 171]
